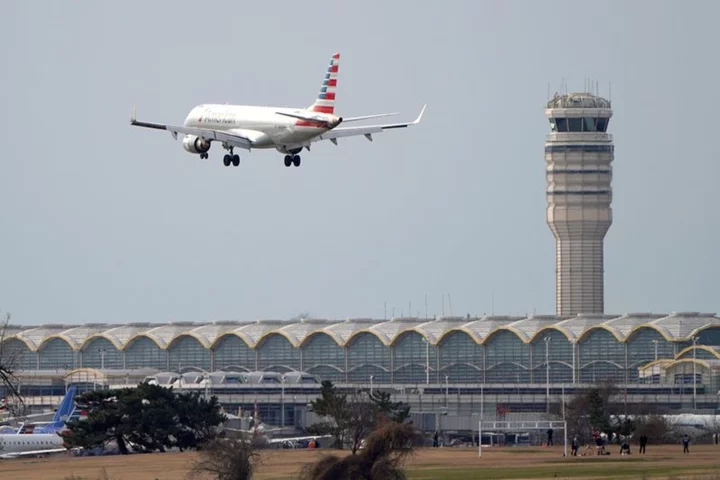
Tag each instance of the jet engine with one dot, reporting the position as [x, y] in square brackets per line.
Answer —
[194, 144]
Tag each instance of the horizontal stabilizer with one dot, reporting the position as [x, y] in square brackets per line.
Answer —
[301, 117]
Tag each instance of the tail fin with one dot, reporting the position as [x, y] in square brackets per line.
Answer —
[62, 414]
[66, 406]
[325, 102]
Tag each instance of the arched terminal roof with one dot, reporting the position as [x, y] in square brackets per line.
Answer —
[434, 330]
[683, 325]
[575, 327]
[678, 326]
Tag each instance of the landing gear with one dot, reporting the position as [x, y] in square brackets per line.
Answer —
[234, 159]
[203, 156]
[292, 160]
[231, 158]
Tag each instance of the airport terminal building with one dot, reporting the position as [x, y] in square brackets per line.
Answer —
[456, 365]
[639, 348]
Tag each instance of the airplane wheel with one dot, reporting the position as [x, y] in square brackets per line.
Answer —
[227, 160]
[288, 160]
[296, 160]
[235, 160]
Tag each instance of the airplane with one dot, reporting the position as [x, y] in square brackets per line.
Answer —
[288, 130]
[40, 439]
[20, 444]
[259, 434]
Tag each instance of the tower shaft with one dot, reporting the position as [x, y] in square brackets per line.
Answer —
[578, 155]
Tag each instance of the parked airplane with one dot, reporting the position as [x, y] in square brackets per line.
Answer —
[288, 130]
[40, 439]
[15, 445]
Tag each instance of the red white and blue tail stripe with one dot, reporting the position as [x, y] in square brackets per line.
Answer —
[325, 102]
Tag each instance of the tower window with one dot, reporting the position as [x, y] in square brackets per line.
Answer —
[561, 124]
[589, 124]
[602, 124]
[575, 124]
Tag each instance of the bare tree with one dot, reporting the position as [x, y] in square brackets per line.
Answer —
[361, 419]
[9, 366]
[381, 458]
[226, 459]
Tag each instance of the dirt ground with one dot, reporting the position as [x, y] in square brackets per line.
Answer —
[426, 463]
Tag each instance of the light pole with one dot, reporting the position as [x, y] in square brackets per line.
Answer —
[694, 340]
[447, 389]
[371, 383]
[656, 349]
[282, 401]
[427, 360]
[547, 374]
[102, 358]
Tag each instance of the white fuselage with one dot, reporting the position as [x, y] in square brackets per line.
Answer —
[262, 125]
[20, 443]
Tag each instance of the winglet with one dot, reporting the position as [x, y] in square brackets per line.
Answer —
[417, 120]
[133, 116]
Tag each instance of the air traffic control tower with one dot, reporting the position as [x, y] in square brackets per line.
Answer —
[578, 154]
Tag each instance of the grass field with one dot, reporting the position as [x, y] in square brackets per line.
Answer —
[661, 462]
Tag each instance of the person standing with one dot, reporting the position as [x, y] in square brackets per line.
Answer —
[549, 437]
[643, 443]
[575, 446]
[686, 444]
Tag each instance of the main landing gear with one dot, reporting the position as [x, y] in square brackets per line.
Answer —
[203, 156]
[292, 160]
[231, 158]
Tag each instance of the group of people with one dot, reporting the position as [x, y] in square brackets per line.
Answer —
[624, 445]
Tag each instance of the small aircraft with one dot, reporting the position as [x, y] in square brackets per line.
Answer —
[288, 130]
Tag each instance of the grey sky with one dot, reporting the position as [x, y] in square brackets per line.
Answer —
[103, 222]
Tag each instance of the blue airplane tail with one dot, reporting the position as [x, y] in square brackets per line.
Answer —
[62, 414]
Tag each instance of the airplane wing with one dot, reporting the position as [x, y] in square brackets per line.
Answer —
[208, 134]
[297, 439]
[31, 452]
[368, 130]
